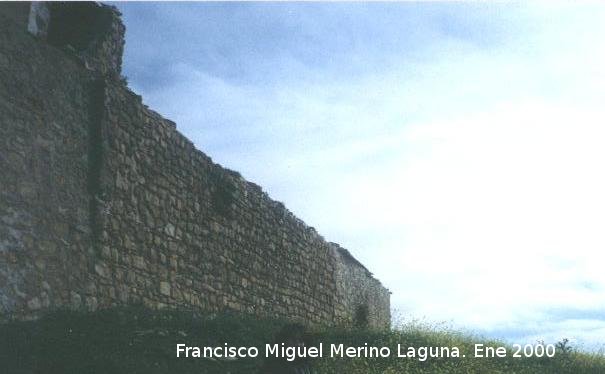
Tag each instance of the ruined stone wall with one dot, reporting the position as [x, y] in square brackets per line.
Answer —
[44, 217]
[361, 298]
[104, 202]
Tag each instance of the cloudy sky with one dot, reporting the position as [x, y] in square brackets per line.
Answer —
[457, 149]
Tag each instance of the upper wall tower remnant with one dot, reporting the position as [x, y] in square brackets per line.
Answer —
[93, 31]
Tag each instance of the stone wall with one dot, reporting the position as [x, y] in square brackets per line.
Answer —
[361, 298]
[44, 140]
[104, 202]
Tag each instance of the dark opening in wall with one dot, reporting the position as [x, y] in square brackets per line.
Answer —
[223, 196]
[77, 24]
[360, 319]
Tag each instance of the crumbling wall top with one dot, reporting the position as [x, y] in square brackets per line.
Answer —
[92, 31]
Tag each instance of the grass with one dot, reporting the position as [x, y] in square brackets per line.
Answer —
[136, 340]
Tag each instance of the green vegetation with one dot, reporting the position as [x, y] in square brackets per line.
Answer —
[565, 360]
[136, 340]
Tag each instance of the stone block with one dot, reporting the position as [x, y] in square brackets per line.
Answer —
[165, 288]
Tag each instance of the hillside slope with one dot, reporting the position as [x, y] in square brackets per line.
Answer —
[136, 340]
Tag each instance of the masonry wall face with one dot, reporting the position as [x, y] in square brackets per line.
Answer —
[103, 202]
[44, 215]
[361, 298]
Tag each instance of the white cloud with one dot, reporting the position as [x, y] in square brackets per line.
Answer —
[469, 180]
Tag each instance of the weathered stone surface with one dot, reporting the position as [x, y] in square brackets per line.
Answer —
[75, 300]
[39, 17]
[104, 201]
[165, 288]
[101, 270]
[34, 304]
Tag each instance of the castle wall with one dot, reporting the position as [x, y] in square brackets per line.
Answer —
[179, 230]
[44, 219]
[103, 202]
[361, 298]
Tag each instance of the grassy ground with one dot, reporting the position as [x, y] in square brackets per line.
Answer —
[135, 340]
